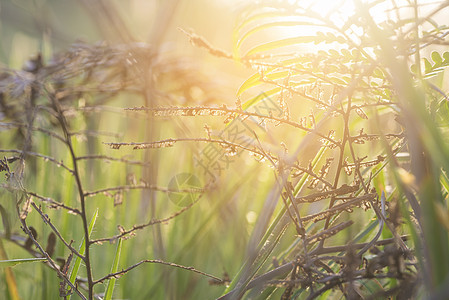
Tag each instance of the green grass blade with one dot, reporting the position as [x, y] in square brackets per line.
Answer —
[110, 289]
[254, 80]
[14, 262]
[263, 26]
[281, 43]
[245, 22]
[82, 249]
[274, 225]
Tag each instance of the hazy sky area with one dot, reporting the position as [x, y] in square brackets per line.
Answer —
[49, 26]
[52, 24]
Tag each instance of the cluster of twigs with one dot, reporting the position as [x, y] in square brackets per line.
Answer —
[44, 98]
[344, 84]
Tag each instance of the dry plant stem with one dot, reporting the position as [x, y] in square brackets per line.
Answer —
[169, 142]
[68, 142]
[345, 139]
[155, 261]
[298, 222]
[420, 21]
[292, 218]
[55, 230]
[322, 235]
[379, 214]
[328, 213]
[110, 158]
[342, 190]
[299, 93]
[285, 268]
[49, 158]
[50, 260]
[142, 226]
[19, 241]
[33, 128]
[337, 279]
[299, 71]
[95, 133]
[142, 187]
[187, 111]
[335, 249]
[55, 204]
[31, 109]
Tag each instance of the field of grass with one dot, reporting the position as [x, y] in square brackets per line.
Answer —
[304, 155]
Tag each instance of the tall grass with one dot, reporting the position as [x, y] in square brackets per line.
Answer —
[327, 178]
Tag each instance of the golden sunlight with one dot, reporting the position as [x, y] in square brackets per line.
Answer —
[298, 20]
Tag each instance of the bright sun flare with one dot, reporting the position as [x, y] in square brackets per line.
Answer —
[338, 12]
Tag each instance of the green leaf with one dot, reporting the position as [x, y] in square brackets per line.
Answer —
[248, 20]
[271, 25]
[258, 17]
[81, 250]
[346, 54]
[436, 57]
[254, 80]
[282, 43]
[442, 116]
[5, 220]
[110, 289]
[377, 73]
[13, 262]
[427, 65]
[446, 57]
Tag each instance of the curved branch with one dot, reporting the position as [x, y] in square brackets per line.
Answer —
[155, 261]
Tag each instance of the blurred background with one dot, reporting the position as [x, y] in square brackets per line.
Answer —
[48, 26]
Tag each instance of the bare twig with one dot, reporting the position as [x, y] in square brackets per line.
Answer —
[110, 158]
[45, 157]
[55, 204]
[143, 187]
[55, 230]
[142, 226]
[226, 112]
[50, 260]
[155, 261]
[68, 142]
